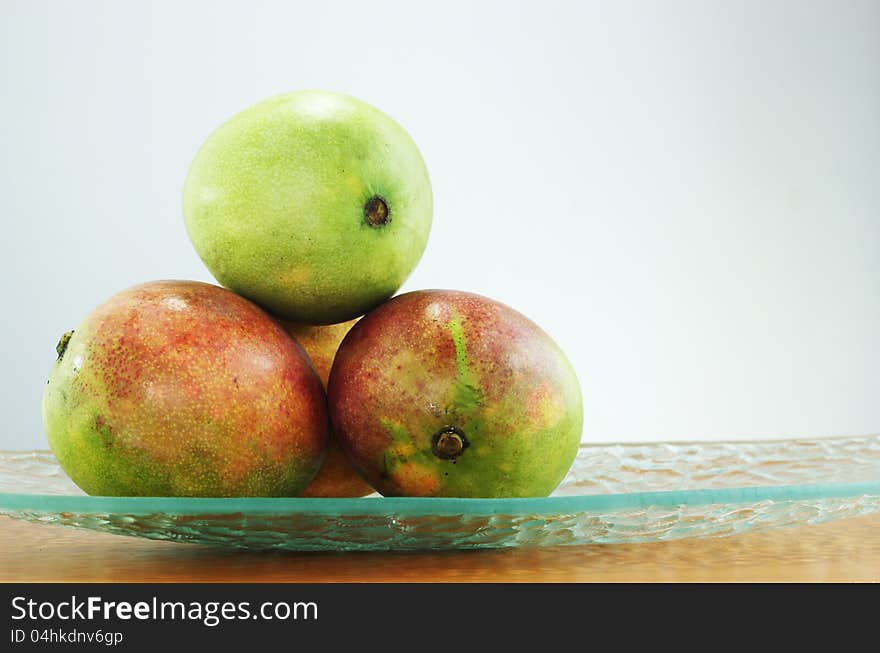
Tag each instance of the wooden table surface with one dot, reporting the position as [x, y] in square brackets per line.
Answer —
[846, 550]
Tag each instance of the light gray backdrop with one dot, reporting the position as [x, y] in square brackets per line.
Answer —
[686, 195]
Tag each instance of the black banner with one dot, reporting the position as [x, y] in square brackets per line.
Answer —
[367, 617]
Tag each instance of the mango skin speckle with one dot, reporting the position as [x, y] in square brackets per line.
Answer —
[181, 388]
[275, 199]
[432, 360]
[337, 477]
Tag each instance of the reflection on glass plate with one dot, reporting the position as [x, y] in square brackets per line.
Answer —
[614, 493]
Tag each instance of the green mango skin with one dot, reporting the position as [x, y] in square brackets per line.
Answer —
[434, 360]
[181, 388]
[275, 199]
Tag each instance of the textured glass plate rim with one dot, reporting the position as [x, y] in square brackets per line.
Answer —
[430, 506]
[419, 507]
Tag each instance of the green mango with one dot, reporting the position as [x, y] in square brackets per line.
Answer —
[314, 205]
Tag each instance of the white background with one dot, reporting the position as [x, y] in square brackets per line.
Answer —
[686, 195]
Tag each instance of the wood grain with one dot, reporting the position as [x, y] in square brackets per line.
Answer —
[846, 550]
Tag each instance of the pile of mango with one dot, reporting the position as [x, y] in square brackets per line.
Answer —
[303, 375]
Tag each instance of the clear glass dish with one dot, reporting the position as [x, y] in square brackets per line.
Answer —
[614, 493]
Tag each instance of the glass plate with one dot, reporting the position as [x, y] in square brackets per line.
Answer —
[614, 493]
